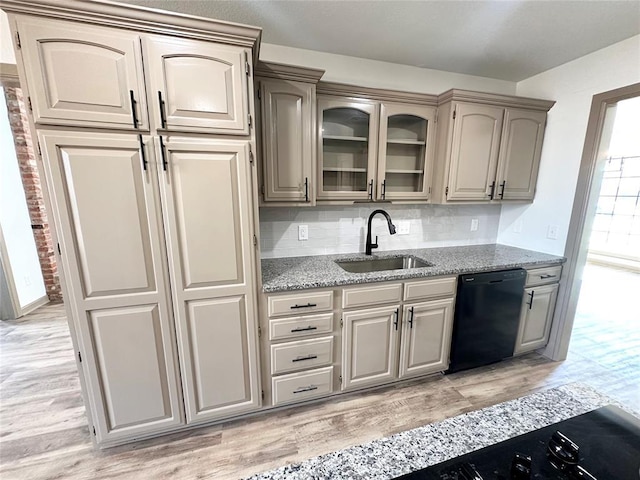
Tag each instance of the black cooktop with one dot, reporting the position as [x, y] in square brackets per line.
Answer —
[603, 444]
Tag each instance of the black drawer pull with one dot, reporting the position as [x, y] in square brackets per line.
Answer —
[305, 329]
[542, 277]
[310, 388]
[308, 357]
[308, 305]
[530, 302]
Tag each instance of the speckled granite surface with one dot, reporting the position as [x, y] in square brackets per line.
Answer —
[297, 273]
[424, 446]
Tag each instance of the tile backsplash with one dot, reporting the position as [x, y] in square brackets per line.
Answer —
[344, 229]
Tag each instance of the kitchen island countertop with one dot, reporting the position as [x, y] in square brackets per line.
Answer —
[298, 273]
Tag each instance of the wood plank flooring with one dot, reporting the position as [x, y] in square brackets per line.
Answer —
[44, 433]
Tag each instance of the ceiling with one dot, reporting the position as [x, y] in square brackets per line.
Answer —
[504, 39]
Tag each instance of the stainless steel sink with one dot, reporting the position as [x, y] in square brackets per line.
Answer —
[380, 264]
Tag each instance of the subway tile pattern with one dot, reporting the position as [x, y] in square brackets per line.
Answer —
[343, 229]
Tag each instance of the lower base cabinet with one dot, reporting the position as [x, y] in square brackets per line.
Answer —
[426, 337]
[535, 317]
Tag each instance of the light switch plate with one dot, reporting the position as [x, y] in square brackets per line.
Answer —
[303, 232]
[552, 232]
[474, 224]
[404, 227]
[517, 227]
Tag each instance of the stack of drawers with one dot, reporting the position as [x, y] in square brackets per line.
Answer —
[302, 345]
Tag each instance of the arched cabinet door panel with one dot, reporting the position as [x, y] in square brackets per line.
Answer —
[474, 151]
[83, 75]
[197, 86]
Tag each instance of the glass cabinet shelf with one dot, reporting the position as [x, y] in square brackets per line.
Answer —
[345, 138]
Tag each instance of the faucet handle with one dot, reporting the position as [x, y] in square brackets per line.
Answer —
[375, 244]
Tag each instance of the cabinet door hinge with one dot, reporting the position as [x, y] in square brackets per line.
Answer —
[59, 251]
[259, 93]
[341, 323]
[340, 379]
[454, 114]
[249, 120]
[79, 357]
[262, 394]
[255, 241]
[259, 331]
[29, 102]
[39, 149]
[18, 44]
[446, 191]
[429, 191]
[250, 154]
[262, 188]
[94, 431]
[247, 68]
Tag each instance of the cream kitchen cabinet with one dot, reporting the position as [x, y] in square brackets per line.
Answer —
[391, 342]
[374, 150]
[197, 86]
[538, 307]
[92, 76]
[287, 99]
[212, 274]
[489, 147]
[370, 353]
[113, 255]
[426, 337]
[156, 231]
[84, 75]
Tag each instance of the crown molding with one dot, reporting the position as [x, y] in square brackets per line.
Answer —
[495, 99]
[9, 75]
[378, 94]
[282, 71]
[149, 20]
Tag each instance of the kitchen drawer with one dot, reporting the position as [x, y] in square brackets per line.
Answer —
[541, 276]
[298, 303]
[371, 295]
[432, 288]
[293, 327]
[301, 386]
[291, 356]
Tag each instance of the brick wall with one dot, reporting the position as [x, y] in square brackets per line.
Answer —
[33, 191]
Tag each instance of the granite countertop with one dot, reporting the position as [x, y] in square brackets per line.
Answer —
[298, 273]
[421, 447]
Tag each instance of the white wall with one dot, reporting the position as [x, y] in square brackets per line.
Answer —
[373, 73]
[6, 47]
[14, 220]
[344, 229]
[572, 86]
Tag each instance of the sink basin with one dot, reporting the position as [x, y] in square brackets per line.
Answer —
[381, 264]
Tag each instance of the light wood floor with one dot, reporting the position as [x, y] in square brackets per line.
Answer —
[44, 433]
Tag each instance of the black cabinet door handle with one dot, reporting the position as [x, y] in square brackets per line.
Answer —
[134, 114]
[502, 185]
[163, 118]
[143, 155]
[543, 277]
[411, 317]
[310, 388]
[395, 322]
[530, 302]
[305, 329]
[371, 190]
[306, 189]
[384, 188]
[302, 359]
[164, 155]
[493, 189]
[308, 305]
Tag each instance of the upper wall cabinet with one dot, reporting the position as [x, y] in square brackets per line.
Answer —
[197, 86]
[405, 151]
[375, 145]
[489, 147]
[83, 75]
[287, 102]
[348, 134]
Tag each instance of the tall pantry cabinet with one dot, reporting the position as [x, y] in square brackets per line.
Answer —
[144, 122]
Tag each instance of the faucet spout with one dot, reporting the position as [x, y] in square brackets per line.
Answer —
[392, 230]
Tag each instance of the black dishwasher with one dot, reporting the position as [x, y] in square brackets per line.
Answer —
[486, 318]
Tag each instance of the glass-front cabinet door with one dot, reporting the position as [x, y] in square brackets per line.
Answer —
[346, 149]
[406, 151]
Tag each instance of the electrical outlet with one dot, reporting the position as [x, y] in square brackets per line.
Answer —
[474, 224]
[404, 227]
[517, 227]
[303, 232]
[552, 232]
